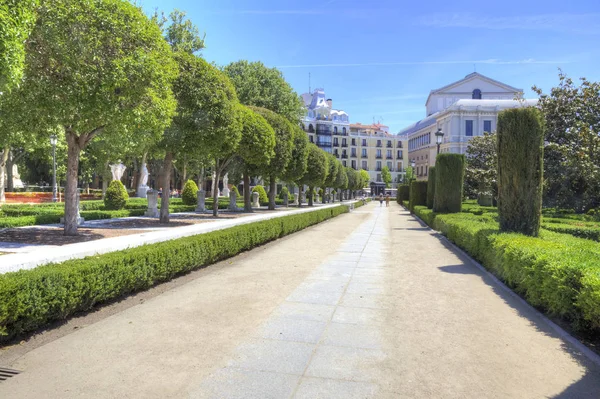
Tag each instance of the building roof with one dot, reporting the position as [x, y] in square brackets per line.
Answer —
[423, 123]
[375, 126]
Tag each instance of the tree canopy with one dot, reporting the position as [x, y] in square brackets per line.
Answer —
[482, 165]
[386, 176]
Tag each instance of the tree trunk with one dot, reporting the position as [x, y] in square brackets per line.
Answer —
[247, 193]
[215, 192]
[105, 177]
[201, 179]
[166, 187]
[300, 188]
[73, 152]
[10, 184]
[310, 195]
[272, 189]
[184, 173]
[3, 160]
[140, 168]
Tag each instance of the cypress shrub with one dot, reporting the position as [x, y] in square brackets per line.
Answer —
[449, 177]
[520, 142]
[418, 194]
[263, 199]
[116, 196]
[189, 194]
[431, 187]
[403, 193]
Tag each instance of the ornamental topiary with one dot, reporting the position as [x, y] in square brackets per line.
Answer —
[263, 199]
[449, 178]
[520, 144]
[431, 187]
[116, 196]
[418, 194]
[236, 191]
[189, 195]
[284, 190]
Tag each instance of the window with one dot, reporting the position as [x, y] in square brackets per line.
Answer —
[343, 130]
[389, 165]
[468, 128]
[335, 129]
[344, 163]
[487, 126]
[399, 154]
[389, 144]
[399, 144]
[379, 177]
[364, 165]
[476, 94]
[389, 154]
[378, 165]
[353, 152]
[353, 164]
[426, 170]
[344, 144]
[378, 143]
[364, 142]
[353, 141]
[364, 153]
[335, 141]
[378, 153]
[312, 139]
[311, 129]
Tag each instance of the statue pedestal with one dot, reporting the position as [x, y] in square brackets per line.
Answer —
[226, 192]
[233, 202]
[200, 207]
[141, 191]
[255, 203]
[152, 210]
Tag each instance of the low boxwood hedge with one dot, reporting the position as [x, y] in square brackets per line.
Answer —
[556, 272]
[29, 299]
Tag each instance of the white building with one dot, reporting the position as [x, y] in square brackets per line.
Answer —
[321, 121]
[462, 110]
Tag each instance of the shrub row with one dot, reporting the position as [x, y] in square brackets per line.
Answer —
[418, 194]
[556, 272]
[30, 299]
[590, 233]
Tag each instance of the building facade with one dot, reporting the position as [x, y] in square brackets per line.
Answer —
[366, 147]
[462, 110]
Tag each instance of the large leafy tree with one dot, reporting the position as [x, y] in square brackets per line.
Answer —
[341, 181]
[264, 87]
[16, 21]
[572, 153]
[284, 141]
[256, 146]
[364, 178]
[332, 169]
[297, 165]
[316, 171]
[482, 166]
[96, 67]
[386, 176]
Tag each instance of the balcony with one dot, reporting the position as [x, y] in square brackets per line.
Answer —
[378, 145]
[344, 156]
[389, 145]
[353, 155]
[378, 156]
[378, 169]
[344, 144]
[389, 157]
[336, 144]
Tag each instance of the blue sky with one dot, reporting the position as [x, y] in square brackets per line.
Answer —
[379, 60]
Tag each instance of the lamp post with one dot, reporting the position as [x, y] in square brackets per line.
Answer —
[412, 165]
[54, 187]
[439, 135]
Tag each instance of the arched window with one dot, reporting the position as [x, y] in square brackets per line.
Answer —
[476, 94]
[311, 129]
[344, 130]
[335, 129]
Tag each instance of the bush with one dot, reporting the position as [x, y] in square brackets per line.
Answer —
[284, 190]
[403, 193]
[236, 191]
[263, 199]
[189, 195]
[29, 299]
[418, 194]
[449, 177]
[520, 142]
[116, 196]
[431, 187]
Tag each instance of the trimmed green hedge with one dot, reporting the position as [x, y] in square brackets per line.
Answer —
[431, 187]
[556, 272]
[29, 299]
[520, 146]
[590, 233]
[403, 193]
[449, 178]
[418, 194]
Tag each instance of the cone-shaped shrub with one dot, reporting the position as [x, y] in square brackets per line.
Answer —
[116, 196]
[403, 193]
[284, 190]
[189, 195]
[236, 191]
[418, 194]
[263, 199]
[520, 143]
[449, 177]
[431, 187]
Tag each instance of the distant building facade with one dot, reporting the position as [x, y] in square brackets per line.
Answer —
[366, 147]
[463, 110]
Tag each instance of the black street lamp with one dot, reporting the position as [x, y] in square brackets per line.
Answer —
[439, 136]
[54, 187]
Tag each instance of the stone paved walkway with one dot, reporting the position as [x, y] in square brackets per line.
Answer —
[368, 305]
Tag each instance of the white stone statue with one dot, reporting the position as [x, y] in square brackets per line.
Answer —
[225, 186]
[143, 186]
[117, 170]
[17, 183]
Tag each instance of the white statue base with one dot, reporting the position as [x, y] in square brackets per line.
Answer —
[152, 210]
[226, 192]
[201, 195]
[255, 203]
[233, 202]
[141, 191]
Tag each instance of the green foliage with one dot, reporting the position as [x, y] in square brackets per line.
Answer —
[409, 174]
[263, 199]
[482, 166]
[449, 175]
[418, 194]
[283, 192]
[116, 196]
[520, 159]
[296, 167]
[431, 187]
[556, 272]
[317, 167]
[364, 177]
[236, 191]
[571, 116]
[180, 32]
[386, 176]
[29, 299]
[263, 87]
[258, 139]
[403, 193]
[189, 195]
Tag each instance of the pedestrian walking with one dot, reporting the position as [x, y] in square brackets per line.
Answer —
[387, 200]
[380, 199]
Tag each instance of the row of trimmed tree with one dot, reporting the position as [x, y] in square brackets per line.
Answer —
[110, 81]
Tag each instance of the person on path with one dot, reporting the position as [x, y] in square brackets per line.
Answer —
[387, 200]
[380, 199]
